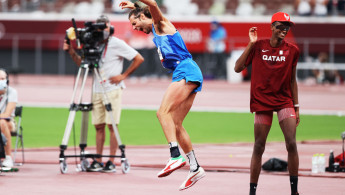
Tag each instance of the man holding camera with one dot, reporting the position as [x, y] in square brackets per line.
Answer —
[110, 69]
[8, 101]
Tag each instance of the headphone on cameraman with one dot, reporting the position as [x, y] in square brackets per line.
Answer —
[111, 30]
[7, 77]
[105, 19]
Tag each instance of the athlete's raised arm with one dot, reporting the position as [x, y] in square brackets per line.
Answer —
[240, 63]
[162, 25]
[156, 13]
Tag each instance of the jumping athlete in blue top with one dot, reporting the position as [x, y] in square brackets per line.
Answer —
[178, 99]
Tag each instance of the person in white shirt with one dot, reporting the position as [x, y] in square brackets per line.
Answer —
[8, 102]
[110, 69]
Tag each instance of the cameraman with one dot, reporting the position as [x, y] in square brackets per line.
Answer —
[8, 101]
[111, 66]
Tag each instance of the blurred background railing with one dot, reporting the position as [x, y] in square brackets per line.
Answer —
[39, 60]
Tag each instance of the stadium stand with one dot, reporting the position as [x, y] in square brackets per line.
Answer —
[31, 49]
[189, 7]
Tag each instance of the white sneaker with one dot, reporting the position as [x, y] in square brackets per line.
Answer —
[172, 165]
[192, 178]
[8, 162]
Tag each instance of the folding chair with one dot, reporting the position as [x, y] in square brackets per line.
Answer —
[18, 133]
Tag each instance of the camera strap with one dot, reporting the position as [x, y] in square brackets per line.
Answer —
[3, 101]
[105, 49]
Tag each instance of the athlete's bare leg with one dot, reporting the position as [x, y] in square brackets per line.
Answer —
[288, 127]
[179, 115]
[260, 133]
[176, 94]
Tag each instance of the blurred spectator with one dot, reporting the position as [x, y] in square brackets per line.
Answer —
[320, 8]
[312, 7]
[82, 8]
[336, 7]
[341, 7]
[115, 8]
[8, 101]
[216, 45]
[325, 75]
[245, 8]
[304, 7]
[287, 6]
[68, 7]
[14, 5]
[231, 6]
[259, 8]
[88, 8]
[217, 8]
[185, 7]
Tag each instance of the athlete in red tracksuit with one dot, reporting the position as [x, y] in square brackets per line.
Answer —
[273, 88]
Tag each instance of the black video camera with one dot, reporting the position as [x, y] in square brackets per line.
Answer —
[92, 38]
[92, 34]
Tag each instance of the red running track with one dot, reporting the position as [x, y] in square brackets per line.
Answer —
[227, 165]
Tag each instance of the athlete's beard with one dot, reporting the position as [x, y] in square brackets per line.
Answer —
[147, 30]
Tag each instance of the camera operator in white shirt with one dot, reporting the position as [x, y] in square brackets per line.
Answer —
[110, 69]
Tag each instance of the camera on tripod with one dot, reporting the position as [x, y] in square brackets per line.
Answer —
[92, 38]
[92, 34]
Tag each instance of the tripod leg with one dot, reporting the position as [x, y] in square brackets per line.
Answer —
[80, 71]
[83, 135]
[70, 121]
[84, 128]
[343, 161]
[73, 108]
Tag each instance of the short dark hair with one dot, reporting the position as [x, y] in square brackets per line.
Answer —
[139, 10]
[103, 19]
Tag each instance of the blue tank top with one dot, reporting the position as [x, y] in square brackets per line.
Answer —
[171, 49]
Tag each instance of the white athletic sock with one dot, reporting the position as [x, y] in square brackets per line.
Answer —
[172, 144]
[192, 161]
